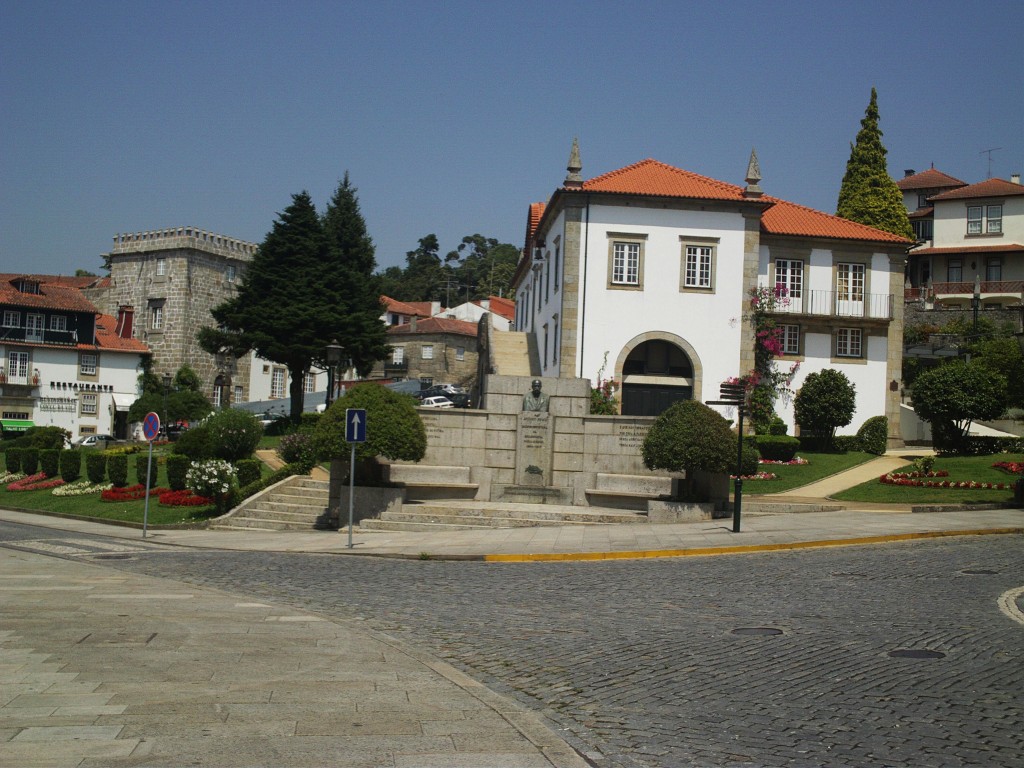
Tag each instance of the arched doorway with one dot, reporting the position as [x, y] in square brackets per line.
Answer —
[657, 370]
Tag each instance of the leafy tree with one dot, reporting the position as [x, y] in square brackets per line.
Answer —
[394, 429]
[868, 194]
[1003, 356]
[484, 264]
[953, 395]
[182, 401]
[234, 434]
[690, 436]
[349, 284]
[84, 273]
[424, 275]
[825, 402]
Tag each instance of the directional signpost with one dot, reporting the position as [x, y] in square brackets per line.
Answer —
[735, 395]
[355, 432]
[150, 429]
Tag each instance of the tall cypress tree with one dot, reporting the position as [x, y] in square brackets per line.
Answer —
[349, 282]
[280, 310]
[868, 194]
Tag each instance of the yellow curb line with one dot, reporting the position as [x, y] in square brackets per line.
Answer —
[738, 550]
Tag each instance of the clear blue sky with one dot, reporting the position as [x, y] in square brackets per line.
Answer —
[452, 117]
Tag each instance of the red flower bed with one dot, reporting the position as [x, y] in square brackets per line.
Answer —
[183, 498]
[1013, 467]
[36, 482]
[912, 479]
[130, 493]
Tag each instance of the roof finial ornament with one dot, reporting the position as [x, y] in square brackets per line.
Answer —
[753, 176]
[573, 178]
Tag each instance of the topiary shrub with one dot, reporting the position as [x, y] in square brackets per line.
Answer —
[141, 463]
[749, 459]
[49, 461]
[70, 465]
[46, 437]
[95, 467]
[777, 447]
[177, 467]
[30, 460]
[249, 471]
[298, 448]
[778, 427]
[234, 434]
[117, 469]
[825, 401]
[13, 458]
[195, 444]
[873, 435]
[393, 430]
[308, 422]
[690, 436]
[845, 443]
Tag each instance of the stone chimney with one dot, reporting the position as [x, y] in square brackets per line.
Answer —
[908, 172]
[412, 324]
[1015, 178]
[125, 321]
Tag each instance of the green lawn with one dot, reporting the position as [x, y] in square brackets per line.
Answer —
[790, 476]
[977, 468]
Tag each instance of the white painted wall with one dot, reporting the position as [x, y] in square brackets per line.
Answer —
[951, 224]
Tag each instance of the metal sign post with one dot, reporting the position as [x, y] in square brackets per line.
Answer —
[735, 395]
[355, 432]
[150, 429]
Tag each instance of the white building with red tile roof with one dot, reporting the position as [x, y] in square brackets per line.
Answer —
[643, 275]
[61, 362]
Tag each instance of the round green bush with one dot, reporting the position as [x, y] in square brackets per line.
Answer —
[778, 427]
[249, 471]
[690, 436]
[195, 444]
[234, 434]
[873, 435]
[394, 429]
[777, 447]
[749, 459]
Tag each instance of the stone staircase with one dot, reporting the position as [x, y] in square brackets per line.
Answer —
[512, 355]
[468, 515]
[298, 503]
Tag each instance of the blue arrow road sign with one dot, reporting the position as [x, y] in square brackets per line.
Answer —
[355, 425]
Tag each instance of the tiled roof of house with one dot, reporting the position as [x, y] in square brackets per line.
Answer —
[435, 325]
[930, 179]
[411, 308]
[785, 218]
[921, 213]
[988, 188]
[107, 338]
[533, 219]
[53, 294]
[501, 306]
[1003, 248]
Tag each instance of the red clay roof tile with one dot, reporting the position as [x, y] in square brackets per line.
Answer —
[52, 294]
[650, 177]
[930, 179]
[436, 325]
[785, 218]
[988, 188]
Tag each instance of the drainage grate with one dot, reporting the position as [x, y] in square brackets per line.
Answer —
[915, 653]
[757, 631]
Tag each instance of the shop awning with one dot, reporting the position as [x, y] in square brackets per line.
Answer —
[16, 425]
[122, 402]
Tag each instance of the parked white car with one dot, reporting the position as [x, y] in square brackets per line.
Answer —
[437, 402]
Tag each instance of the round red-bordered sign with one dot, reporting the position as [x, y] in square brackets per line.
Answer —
[151, 426]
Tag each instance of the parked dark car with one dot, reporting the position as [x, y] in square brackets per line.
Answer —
[460, 399]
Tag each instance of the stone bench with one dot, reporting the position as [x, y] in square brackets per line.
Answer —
[426, 483]
[627, 491]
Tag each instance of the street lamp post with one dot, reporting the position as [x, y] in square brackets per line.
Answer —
[334, 352]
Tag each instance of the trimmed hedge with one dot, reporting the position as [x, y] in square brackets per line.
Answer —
[30, 460]
[177, 467]
[117, 469]
[141, 462]
[873, 435]
[49, 461]
[70, 465]
[14, 456]
[978, 445]
[750, 455]
[777, 447]
[249, 471]
[95, 467]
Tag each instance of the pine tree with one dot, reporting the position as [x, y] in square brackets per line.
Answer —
[349, 281]
[868, 194]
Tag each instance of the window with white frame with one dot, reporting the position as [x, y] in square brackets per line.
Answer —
[789, 278]
[58, 322]
[156, 317]
[398, 355]
[984, 219]
[790, 339]
[994, 219]
[230, 273]
[87, 363]
[34, 325]
[89, 403]
[218, 396]
[922, 200]
[626, 261]
[460, 353]
[698, 264]
[239, 393]
[12, 319]
[161, 267]
[994, 268]
[277, 383]
[850, 282]
[849, 342]
[427, 351]
[17, 365]
[309, 383]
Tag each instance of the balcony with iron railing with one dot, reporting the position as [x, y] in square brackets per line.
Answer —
[392, 366]
[989, 289]
[845, 304]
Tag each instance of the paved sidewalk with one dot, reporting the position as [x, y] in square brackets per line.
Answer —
[104, 668]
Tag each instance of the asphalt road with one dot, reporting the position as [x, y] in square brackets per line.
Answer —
[775, 659]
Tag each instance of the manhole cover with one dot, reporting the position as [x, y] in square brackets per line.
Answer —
[915, 653]
[757, 631]
[979, 572]
[112, 557]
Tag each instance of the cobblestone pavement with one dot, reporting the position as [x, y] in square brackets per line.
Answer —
[775, 659]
